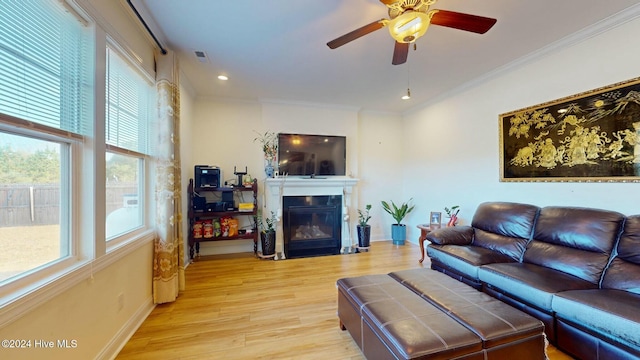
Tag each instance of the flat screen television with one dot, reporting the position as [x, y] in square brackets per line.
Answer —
[312, 155]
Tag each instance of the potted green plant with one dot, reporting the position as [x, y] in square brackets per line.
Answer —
[452, 214]
[398, 230]
[269, 142]
[267, 233]
[364, 229]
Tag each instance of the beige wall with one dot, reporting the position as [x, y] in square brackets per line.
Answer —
[451, 151]
[380, 167]
[445, 153]
[187, 99]
[222, 134]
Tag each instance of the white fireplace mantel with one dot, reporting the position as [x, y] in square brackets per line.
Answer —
[276, 188]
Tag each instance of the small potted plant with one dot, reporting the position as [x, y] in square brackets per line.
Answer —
[267, 233]
[452, 214]
[269, 142]
[364, 229]
[398, 230]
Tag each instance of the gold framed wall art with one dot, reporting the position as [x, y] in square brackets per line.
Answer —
[589, 137]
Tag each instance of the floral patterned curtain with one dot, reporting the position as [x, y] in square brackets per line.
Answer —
[168, 261]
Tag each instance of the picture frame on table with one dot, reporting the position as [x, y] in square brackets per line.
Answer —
[435, 220]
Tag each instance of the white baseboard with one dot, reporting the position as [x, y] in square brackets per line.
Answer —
[112, 349]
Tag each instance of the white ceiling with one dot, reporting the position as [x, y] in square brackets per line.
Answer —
[277, 49]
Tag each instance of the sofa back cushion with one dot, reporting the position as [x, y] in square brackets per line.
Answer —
[504, 227]
[577, 241]
[623, 272]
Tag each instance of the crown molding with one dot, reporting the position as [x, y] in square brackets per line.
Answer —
[600, 27]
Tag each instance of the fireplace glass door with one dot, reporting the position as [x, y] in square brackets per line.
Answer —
[311, 225]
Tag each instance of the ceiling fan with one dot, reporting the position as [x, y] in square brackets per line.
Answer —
[409, 20]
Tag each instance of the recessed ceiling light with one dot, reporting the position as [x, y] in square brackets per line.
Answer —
[223, 77]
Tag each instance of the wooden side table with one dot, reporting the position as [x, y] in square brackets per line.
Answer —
[424, 230]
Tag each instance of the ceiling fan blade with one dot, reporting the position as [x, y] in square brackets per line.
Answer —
[467, 22]
[400, 53]
[355, 34]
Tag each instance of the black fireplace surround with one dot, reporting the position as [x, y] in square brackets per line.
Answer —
[311, 225]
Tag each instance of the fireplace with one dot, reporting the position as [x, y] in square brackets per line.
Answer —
[311, 225]
[333, 192]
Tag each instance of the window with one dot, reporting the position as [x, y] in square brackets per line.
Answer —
[124, 212]
[31, 206]
[46, 107]
[129, 107]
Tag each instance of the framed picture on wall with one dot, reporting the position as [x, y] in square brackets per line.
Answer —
[435, 220]
[588, 137]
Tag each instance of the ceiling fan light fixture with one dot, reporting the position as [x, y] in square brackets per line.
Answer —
[409, 26]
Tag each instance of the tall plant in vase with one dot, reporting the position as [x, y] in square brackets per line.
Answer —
[364, 229]
[398, 230]
[267, 227]
[269, 142]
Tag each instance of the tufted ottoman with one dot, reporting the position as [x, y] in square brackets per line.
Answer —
[423, 314]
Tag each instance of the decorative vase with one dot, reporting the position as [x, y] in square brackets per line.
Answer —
[268, 242]
[398, 234]
[452, 220]
[364, 236]
[268, 168]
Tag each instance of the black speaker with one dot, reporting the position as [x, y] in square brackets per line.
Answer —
[199, 203]
[227, 196]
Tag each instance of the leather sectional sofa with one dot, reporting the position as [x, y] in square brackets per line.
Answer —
[575, 269]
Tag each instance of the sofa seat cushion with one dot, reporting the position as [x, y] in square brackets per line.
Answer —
[465, 259]
[612, 314]
[529, 283]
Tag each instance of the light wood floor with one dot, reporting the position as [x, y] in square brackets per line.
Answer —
[240, 307]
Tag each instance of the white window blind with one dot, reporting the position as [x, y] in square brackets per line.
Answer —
[130, 105]
[47, 65]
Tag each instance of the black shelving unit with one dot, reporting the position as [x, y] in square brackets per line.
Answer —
[196, 215]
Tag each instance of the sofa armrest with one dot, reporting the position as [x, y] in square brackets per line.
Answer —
[453, 235]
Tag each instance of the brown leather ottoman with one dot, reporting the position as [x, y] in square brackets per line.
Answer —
[389, 321]
[430, 317]
[506, 333]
